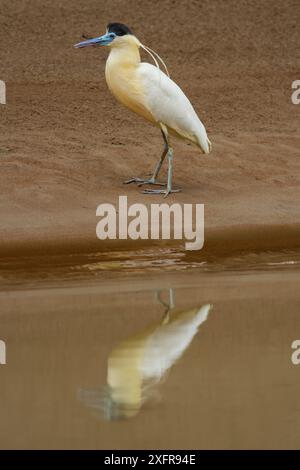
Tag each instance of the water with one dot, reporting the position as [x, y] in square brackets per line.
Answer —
[206, 344]
[32, 272]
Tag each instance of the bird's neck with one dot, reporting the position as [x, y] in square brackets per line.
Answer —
[124, 55]
[122, 75]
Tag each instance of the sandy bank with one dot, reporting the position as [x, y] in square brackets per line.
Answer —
[66, 145]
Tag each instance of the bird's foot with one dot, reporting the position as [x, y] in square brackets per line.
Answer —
[165, 192]
[141, 182]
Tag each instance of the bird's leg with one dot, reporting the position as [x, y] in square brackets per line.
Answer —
[160, 162]
[168, 306]
[169, 152]
[152, 180]
[171, 298]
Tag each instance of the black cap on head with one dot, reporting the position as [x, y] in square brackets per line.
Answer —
[118, 28]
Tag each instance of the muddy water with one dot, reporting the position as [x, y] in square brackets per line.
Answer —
[129, 351]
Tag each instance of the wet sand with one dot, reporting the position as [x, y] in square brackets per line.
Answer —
[233, 387]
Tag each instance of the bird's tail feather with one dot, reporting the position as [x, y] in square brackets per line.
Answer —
[209, 145]
[204, 142]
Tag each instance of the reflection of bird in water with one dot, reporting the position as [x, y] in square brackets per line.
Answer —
[139, 363]
[149, 92]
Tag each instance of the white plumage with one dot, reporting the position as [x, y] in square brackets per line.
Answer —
[137, 365]
[169, 105]
[149, 92]
[168, 342]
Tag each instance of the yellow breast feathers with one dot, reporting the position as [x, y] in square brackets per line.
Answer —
[122, 78]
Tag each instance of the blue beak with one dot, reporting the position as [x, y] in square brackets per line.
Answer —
[100, 41]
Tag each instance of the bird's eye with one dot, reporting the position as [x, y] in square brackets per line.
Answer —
[112, 35]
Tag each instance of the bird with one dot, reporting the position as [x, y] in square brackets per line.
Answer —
[137, 365]
[149, 91]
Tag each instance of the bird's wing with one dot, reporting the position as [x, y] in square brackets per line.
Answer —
[169, 105]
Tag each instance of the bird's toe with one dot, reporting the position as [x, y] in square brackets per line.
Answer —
[133, 180]
[151, 181]
[153, 191]
[141, 182]
[164, 192]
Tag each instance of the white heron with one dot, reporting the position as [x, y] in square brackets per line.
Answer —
[139, 364]
[148, 91]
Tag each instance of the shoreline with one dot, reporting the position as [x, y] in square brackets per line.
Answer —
[221, 241]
